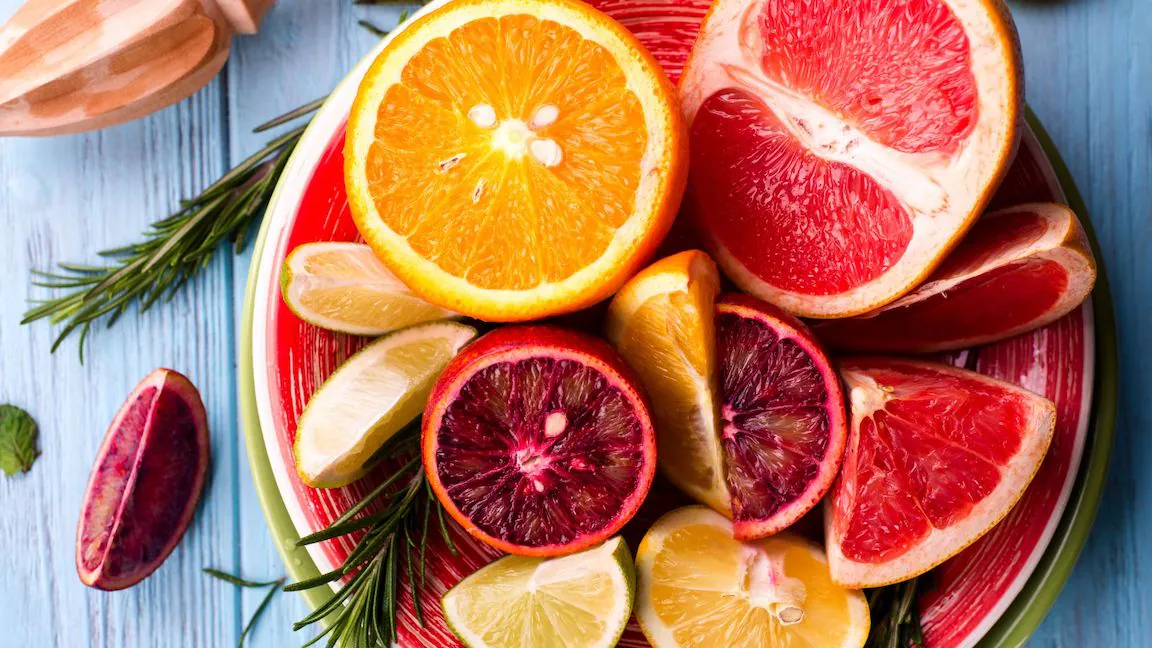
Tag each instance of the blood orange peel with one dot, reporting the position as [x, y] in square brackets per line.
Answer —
[937, 457]
[783, 427]
[514, 159]
[839, 150]
[1018, 269]
[539, 441]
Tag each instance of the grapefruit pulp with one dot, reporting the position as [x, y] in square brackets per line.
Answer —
[538, 440]
[840, 149]
[936, 457]
[1018, 269]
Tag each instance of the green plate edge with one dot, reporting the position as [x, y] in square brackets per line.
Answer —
[1032, 604]
[1018, 622]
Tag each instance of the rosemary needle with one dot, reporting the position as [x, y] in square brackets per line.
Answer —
[272, 585]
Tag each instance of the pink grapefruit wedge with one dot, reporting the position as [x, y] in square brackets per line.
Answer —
[538, 440]
[782, 426]
[1018, 269]
[840, 148]
[936, 457]
[145, 484]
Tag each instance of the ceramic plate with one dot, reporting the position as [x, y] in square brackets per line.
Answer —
[995, 593]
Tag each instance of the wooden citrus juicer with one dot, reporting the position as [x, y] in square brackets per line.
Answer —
[74, 65]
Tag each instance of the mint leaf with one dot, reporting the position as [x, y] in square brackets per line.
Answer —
[18, 434]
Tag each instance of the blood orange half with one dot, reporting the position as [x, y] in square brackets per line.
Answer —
[538, 441]
[1018, 269]
[782, 424]
[936, 457]
[840, 148]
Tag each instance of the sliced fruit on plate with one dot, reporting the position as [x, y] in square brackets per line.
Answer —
[343, 287]
[145, 484]
[538, 441]
[580, 601]
[783, 426]
[697, 586]
[1018, 269]
[937, 456]
[662, 322]
[840, 149]
[513, 159]
[371, 397]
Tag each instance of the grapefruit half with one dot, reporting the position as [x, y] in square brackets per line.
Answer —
[840, 149]
[936, 457]
[1018, 269]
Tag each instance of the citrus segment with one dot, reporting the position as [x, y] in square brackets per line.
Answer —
[840, 149]
[370, 398]
[582, 600]
[697, 586]
[783, 427]
[661, 321]
[343, 287]
[512, 160]
[538, 441]
[1017, 269]
[937, 456]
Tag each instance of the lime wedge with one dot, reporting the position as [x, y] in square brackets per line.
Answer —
[343, 287]
[370, 398]
[578, 601]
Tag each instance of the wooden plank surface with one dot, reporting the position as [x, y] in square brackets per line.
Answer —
[1089, 65]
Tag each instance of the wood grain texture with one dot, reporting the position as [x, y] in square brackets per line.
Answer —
[1089, 77]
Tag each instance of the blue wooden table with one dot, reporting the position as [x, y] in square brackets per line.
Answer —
[1089, 77]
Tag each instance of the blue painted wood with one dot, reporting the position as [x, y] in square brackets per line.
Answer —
[1089, 67]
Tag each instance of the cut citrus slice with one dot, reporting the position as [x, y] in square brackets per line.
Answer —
[697, 586]
[512, 159]
[1018, 269]
[783, 427]
[580, 601]
[370, 398]
[343, 287]
[840, 148]
[538, 441]
[937, 456]
[661, 321]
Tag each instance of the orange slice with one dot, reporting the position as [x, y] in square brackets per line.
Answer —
[513, 159]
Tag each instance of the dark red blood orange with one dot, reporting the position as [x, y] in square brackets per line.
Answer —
[1018, 269]
[840, 148]
[783, 426]
[145, 483]
[538, 440]
[936, 457]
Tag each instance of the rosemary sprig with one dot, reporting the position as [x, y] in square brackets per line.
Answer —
[173, 249]
[272, 585]
[391, 552]
[896, 616]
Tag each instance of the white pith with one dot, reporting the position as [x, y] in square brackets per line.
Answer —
[763, 582]
[1061, 227]
[654, 174]
[940, 192]
[940, 544]
[610, 558]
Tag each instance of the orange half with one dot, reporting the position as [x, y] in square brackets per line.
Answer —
[514, 159]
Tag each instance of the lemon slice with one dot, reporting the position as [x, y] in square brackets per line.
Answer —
[343, 287]
[661, 321]
[582, 600]
[697, 586]
[369, 398]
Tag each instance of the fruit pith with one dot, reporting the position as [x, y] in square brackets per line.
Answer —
[538, 441]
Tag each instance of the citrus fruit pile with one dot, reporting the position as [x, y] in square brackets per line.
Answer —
[516, 160]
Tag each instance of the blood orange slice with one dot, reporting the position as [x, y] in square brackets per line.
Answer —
[839, 149]
[782, 423]
[936, 457]
[1018, 269]
[538, 441]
